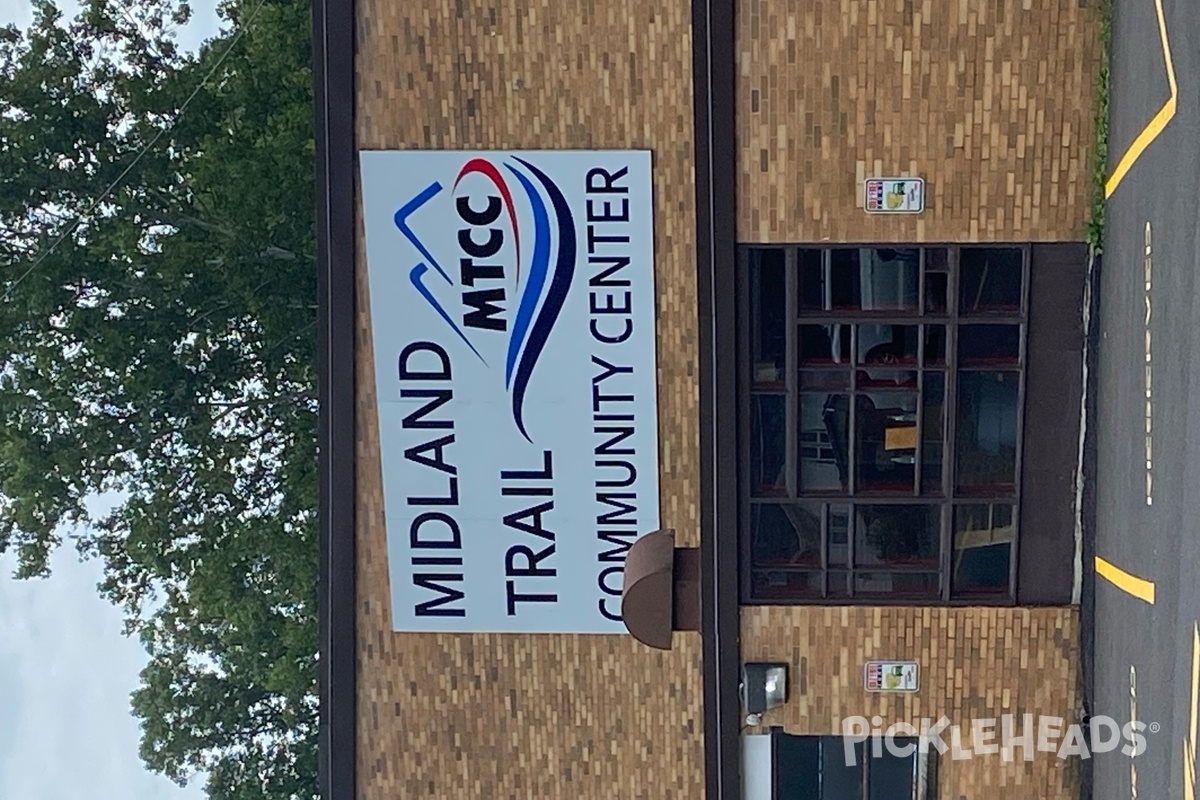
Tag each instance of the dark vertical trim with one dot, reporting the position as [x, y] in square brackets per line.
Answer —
[776, 733]
[714, 77]
[1046, 543]
[333, 79]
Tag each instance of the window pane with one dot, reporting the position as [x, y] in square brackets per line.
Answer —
[887, 345]
[774, 584]
[892, 777]
[824, 445]
[839, 537]
[830, 380]
[840, 781]
[797, 765]
[983, 539]
[887, 380]
[935, 345]
[839, 583]
[989, 280]
[786, 535]
[768, 323]
[824, 344]
[813, 286]
[936, 291]
[987, 432]
[937, 258]
[886, 434]
[933, 398]
[897, 535]
[768, 445]
[874, 279]
[896, 584]
[989, 345]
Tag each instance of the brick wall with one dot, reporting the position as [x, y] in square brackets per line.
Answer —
[974, 663]
[461, 717]
[991, 102]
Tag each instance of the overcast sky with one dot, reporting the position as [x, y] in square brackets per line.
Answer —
[66, 671]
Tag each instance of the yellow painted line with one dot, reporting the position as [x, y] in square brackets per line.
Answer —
[1160, 120]
[1189, 744]
[1130, 584]
[1194, 716]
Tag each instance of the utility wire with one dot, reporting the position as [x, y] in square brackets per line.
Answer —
[116, 182]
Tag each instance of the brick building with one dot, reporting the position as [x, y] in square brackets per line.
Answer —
[890, 474]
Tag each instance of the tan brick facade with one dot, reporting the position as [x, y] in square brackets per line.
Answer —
[975, 663]
[991, 103]
[459, 717]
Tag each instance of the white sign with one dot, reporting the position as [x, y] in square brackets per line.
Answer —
[894, 195]
[890, 676]
[513, 323]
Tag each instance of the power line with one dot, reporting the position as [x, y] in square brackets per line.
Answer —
[108, 189]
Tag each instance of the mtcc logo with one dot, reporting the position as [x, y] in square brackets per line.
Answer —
[516, 255]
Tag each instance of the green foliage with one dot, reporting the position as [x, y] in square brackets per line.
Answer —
[165, 351]
[1095, 224]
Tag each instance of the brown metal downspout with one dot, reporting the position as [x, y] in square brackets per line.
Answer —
[714, 76]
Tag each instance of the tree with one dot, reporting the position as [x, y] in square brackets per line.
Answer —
[157, 341]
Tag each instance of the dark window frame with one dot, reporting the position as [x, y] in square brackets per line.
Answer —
[924, 764]
[953, 318]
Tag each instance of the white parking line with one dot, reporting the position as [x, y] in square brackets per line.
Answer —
[1148, 269]
[1132, 719]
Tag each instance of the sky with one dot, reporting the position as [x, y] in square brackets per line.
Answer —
[66, 670]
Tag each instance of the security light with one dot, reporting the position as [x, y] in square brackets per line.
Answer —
[764, 686]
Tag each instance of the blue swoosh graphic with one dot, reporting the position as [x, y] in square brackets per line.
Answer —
[417, 273]
[401, 219]
[560, 285]
[536, 278]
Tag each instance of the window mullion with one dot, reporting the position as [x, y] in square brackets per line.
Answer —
[950, 421]
[792, 378]
[918, 467]
[825, 550]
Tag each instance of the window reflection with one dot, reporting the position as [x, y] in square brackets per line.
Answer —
[897, 535]
[987, 432]
[935, 345]
[786, 584]
[887, 344]
[881, 346]
[768, 443]
[768, 317]
[824, 442]
[786, 534]
[897, 584]
[886, 430]
[824, 344]
[864, 279]
[839, 536]
[932, 413]
[858, 488]
[813, 286]
[936, 289]
[990, 280]
[983, 540]
[989, 345]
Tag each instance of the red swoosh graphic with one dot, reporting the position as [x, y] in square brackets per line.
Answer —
[488, 170]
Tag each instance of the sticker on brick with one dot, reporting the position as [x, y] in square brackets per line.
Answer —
[890, 676]
[894, 195]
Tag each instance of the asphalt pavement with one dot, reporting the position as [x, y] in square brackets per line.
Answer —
[1147, 498]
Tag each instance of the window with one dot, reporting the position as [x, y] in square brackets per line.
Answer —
[817, 768]
[883, 389]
